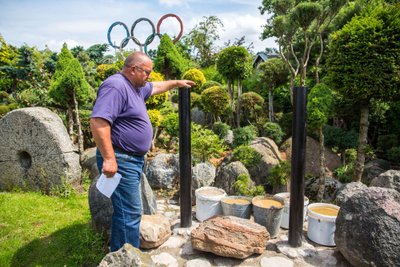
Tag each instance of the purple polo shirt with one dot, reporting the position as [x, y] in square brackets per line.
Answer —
[124, 108]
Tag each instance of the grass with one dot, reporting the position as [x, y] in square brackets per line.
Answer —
[41, 230]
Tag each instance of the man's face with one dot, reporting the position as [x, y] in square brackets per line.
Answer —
[142, 73]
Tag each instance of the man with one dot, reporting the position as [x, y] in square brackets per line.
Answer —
[122, 131]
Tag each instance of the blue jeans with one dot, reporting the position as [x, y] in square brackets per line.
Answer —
[126, 200]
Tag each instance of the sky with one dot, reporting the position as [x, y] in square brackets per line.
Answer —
[86, 22]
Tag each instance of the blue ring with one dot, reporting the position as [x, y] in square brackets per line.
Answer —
[123, 44]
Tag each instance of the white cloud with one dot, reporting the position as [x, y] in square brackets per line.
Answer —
[173, 2]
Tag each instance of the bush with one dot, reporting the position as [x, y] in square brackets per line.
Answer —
[244, 186]
[171, 124]
[244, 135]
[197, 76]
[155, 117]
[221, 129]
[279, 174]
[344, 173]
[205, 144]
[215, 100]
[274, 131]
[209, 84]
[247, 155]
[393, 154]
[156, 101]
[195, 100]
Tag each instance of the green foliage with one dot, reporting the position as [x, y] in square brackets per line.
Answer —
[305, 13]
[221, 129]
[273, 73]
[88, 140]
[33, 97]
[170, 124]
[244, 186]
[363, 59]
[208, 84]
[247, 155]
[195, 100]
[279, 174]
[234, 63]
[339, 138]
[155, 117]
[211, 74]
[156, 101]
[31, 236]
[252, 105]
[103, 71]
[386, 142]
[196, 76]
[205, 144]
[215, 100]
[244, 135]
[393, 154]
[274, 131]
[168, 60]
[319, 106]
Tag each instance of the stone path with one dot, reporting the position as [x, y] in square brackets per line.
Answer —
[177, 251]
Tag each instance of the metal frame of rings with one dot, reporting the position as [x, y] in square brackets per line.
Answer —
[149, 39]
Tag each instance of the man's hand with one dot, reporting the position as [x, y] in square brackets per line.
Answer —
[163, 86]
[185, 83]
[110, 167]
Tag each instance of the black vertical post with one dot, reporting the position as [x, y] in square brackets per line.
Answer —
[185, 163]
[298, 166]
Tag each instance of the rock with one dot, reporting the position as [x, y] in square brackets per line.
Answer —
[373, 168]
[229, 137]
[163, 171]
[165, 259]
[200, 262]
[331, 188]
[388, 179]
[276, 261]
[127, 256]
[312, 156]
[230, 236]
[36, 152]
[347, 191]
[88, 158]
[154, 230]
[226, 176]
[368, 227]
[271, 157]
[149, 203]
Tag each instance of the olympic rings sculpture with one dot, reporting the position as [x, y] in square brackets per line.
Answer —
[149, 39]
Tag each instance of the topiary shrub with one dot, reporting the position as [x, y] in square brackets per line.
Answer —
[215, 100]
[209, 84]
[274, 131]
[244, 186]
[221, 129]
[195, 100]
[197, 76]
[156, 101]
[244, 135]
[247, 155]
[279, 174]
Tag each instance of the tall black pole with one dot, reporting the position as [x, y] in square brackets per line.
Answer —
[298, 166]
[185, 163]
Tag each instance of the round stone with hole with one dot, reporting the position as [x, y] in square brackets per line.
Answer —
[36, 153]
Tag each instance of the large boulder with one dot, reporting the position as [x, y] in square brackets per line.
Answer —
[312, 156]
[368, 227]
[373, 169]
[271, 156]
[36, 152]
[347, 191]
[389, 179]
[163, 171]
[203, 174]
[332, 186]
[230, 236]
[227, 174]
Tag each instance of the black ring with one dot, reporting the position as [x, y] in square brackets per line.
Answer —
[152, 36]
[147, 42]
[109, 34]
[126, 39]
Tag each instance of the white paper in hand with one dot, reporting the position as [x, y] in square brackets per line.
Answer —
[106, 186]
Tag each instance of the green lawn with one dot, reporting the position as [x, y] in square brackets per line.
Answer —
[40, 230]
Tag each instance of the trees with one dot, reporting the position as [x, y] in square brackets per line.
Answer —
[202, 38]
[70, 89]
[363, 64]
[168, 60]
[234, 63]
[273, 73]
[320, 104]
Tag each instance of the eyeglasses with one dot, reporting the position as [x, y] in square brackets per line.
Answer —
[148, 72]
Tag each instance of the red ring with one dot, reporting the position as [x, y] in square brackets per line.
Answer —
[179, 20]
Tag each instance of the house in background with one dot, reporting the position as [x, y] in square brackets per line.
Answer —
[261, 57]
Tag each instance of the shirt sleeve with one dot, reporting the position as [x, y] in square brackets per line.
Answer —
[109, 103]
[149, 90]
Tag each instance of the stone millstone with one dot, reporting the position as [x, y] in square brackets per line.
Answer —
[36, 152]
[230, 236]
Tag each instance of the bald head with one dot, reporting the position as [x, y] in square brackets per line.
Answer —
[136, 58]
